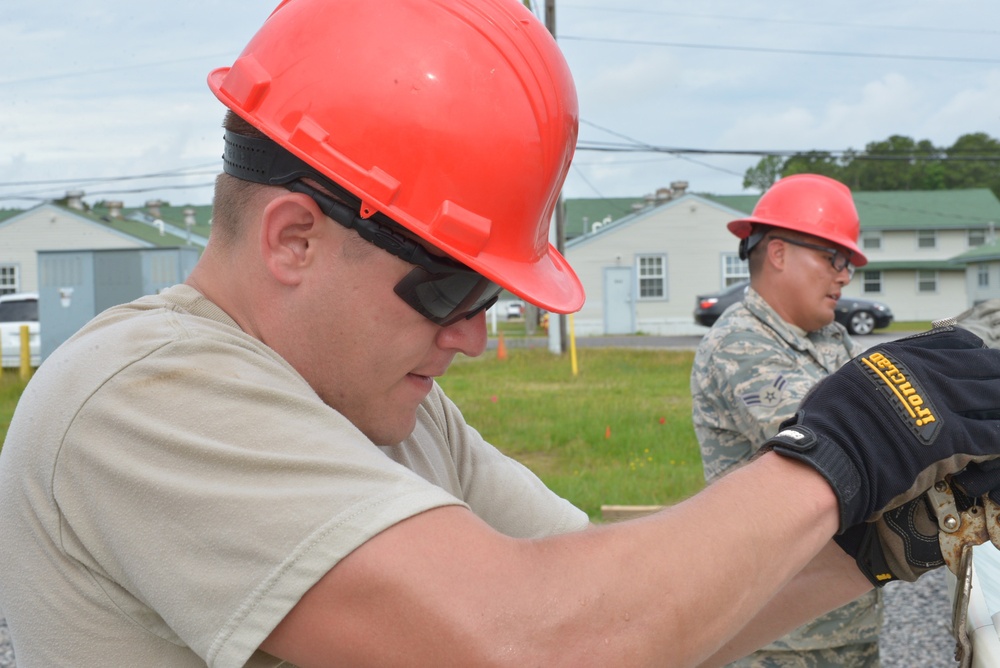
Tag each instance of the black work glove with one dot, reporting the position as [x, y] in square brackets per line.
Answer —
[898, 418]
[901, 545]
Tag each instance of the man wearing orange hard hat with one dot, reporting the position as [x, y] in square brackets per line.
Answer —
[257, 467]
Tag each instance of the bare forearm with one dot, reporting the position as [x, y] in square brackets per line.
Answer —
[695, 582]
[669, 589]
[829, 581]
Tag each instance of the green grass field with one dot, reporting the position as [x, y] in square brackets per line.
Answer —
[619, 432]
[11, 387]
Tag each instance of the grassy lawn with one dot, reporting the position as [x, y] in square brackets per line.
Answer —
[906, 326]
[11, 387]
[617, 433]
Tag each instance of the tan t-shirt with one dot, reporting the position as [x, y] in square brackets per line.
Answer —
[170, 487]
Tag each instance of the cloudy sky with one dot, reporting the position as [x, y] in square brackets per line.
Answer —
[110, 97]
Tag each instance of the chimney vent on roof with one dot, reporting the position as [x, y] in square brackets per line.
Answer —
[678, 188]
[115, 209]
[153, 207]
[74, 199]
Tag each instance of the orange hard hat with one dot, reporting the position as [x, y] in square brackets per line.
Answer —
[811, 204]
[456, 119]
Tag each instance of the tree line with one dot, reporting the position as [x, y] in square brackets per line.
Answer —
[896, 163]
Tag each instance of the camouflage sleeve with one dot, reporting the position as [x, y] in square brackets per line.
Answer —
[743, 391]
[983, 320]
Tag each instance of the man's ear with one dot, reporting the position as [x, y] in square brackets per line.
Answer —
[776, 253]
[290, 230]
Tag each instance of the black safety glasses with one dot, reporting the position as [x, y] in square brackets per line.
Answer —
[440, 289]
[839, 260]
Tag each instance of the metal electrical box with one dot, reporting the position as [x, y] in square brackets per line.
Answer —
[76, 285]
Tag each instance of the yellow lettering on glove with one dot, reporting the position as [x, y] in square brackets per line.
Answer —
[896, 381]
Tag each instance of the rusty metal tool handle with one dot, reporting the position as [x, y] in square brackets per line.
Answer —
[960, 609]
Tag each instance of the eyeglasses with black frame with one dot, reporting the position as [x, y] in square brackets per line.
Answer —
[839, 260]
[441, 289]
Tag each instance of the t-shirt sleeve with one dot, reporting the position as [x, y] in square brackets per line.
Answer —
[208, 483]
[497, 488]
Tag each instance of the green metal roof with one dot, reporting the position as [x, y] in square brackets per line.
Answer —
[143, 229]
[744, 203]
[913, 265]
[908, 209]
[928, 209]
[582, 213]
[986, 252]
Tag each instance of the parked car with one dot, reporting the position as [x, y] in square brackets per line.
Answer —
[16, 310]
[859, 316]
[862, 316]
[515, 310]
[708, 308]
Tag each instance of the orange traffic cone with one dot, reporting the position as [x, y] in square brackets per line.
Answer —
[501, 348]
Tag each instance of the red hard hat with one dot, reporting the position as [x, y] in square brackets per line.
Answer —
[455, 118]
[811, 204]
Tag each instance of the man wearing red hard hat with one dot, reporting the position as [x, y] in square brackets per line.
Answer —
[764, 354]
[257, 468]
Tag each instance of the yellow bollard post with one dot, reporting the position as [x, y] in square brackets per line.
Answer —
[572, 345]
[25, 353]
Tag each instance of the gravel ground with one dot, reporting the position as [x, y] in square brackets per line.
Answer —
[915, 633]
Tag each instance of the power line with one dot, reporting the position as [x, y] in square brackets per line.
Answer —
[173, 173]
[798, 52]
[638, 146]
[45, 196]
[608, 147]
[107, 70]
[759, 19]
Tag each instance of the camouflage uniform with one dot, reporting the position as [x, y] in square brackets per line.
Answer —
[749, 374]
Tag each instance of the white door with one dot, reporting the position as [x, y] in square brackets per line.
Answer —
[619, 305]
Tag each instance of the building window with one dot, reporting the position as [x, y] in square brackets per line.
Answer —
[984, 275]
[977, 237]
[871, 240]
[9, 279]
[734, 269]
[926, 281]
[652, 276]
[872, 282]
[926, 238]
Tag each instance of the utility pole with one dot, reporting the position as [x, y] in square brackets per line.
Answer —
[557, 339]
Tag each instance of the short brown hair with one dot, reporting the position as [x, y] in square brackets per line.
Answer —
[232, 195]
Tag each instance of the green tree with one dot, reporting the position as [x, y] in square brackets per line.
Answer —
[813, 162]
[763, 175]
[895, 163]
[974, 162]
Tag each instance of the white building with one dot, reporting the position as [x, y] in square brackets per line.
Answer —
[931, 254]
